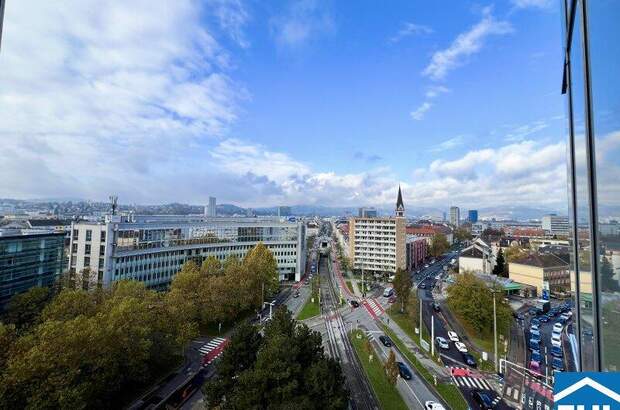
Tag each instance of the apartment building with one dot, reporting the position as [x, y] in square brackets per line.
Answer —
[152, 249]
[536, 269]
[455, 216]
[378, 244]
[555, 225]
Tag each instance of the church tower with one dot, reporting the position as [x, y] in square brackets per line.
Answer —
[400, 206]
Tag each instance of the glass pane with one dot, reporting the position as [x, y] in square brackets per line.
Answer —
[603, 18]
[582, 199]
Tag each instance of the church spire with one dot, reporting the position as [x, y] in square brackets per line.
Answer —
[400, 206]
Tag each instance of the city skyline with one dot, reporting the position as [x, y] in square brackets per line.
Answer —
[206, 111]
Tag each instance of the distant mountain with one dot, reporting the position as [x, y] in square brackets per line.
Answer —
[521, 213]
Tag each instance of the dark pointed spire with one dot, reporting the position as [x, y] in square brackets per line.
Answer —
[400, 205]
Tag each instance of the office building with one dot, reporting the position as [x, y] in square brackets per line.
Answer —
[472, 216]
[29, 258]
[377, 245]
[455, 216]
[284, 211]
[152, 249]
[591, 88]
[536, 269]
[555, 225]
[211, 209]
[416, 249]
[367, 212]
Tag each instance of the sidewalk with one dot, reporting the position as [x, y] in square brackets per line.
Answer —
[434, 367]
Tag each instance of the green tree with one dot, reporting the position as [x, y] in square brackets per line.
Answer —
[69, 304]
[261, 264]
[500, 266]
[211, 266]
[413, 309]
[186, 295]
[402, 286]
[439, 244]
[462, 234]
[610, 284]
[8, 335]
[514, 252]
[391, 368]
[23, 309]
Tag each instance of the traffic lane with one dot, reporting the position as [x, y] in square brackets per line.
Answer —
[440, 331]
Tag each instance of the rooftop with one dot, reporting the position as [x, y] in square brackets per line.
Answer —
[542, 260]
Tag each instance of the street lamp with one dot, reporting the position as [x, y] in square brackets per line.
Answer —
[494, 291]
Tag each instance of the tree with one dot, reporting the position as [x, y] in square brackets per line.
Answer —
[439, 244]
[500, 266]
[402, 286]
[514, 252]
[186, 295]
[413, 309]
[69, 304]
[391, 368]
[263, 267]
[462, 234]
[211, 266]
[609, 283]
[23, 309]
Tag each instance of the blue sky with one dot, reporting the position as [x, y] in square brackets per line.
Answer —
[301, 102]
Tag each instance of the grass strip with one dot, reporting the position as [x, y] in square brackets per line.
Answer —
[387, 394]
[309, 310]
[350, 286]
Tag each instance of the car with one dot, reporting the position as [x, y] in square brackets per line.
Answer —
[535, 321]
[453, 336]
[433, 405]
[296, 294]
[441, 342]
[557, 364]
[388, 292]
[557, 327]
[544, 319]
[460, 346]
[422, 286]
[531, 402]
[588, 332]
[404, 371]
[520, 316]
[556, 339]
[535, 366]
[536, 356]
[436, 307]
[426, 266]
[387, 342]
[535, 334]
[533, 311]
[534, 326]
[484, 401]
[562, 319]
[534, 344]
[354, 303]
[569, 313]
[306, 282]
[557, 351]
[460, 371]
[468, 359]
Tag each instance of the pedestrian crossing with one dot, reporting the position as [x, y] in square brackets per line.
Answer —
[373, 307]
[472, 382]
[213, 349]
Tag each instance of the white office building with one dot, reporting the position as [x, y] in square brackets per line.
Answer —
[555, 225]
[455, 215]
[211, 209]
[152, 249]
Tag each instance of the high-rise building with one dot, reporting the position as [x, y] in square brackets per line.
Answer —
[378, 244]
[211, 209]
[29, 258]
[284, 211]
[591, 87]
[555, 224]
[444, 216]
[152, 249]
[472, 216]
[367, 212]
[2, 3]
[455, 215]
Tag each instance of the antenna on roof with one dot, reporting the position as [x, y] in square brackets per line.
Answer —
[113, 202]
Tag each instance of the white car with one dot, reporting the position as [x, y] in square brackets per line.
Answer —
[460, 346]
[556, 340]
[453, 337]
[557, 328]
[441, 342]
[433, 405]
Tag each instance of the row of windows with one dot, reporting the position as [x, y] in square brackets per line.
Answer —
[89, 235]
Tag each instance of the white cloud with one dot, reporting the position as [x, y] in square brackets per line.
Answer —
[410, 29]
[419, 112]
[232, 17]
[448, 144]
[435, 90]
[302, 20]
[466, 44]
[541, 4]
[519, 133]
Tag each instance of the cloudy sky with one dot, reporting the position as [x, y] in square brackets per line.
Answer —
[303, 102]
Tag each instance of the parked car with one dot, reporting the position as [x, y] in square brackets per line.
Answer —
[556, 340]
[557, 351]
[460, 346]
[426, 266]
[535, 321]
[354, 303]
[453, 336]
[536, 356]
[535, 366]
[404, 372]
[534, 326]
[388, 292]
[535, 335]
[387, 342]
[469, 360]
[436, 307]
[482, 399]
[557, 364]
[443, 343]
[433, 405]
[534, 344]
[422, 286]
[544, 318]
[296, 294]
[557, 327]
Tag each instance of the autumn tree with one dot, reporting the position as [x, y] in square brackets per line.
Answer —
[263, 268]
[211, 266]
[391, 368]
[402, 286]
[439, 244]
[23, 309]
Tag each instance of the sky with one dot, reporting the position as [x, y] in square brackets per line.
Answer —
[264, 103]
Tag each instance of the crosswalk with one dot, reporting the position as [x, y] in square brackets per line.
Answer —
[373, 307]
[472, 382]
[213, 349]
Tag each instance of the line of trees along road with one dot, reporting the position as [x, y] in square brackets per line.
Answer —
[78, 349]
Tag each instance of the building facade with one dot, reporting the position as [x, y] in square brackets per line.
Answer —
[535, 269]
[284, 211]
[591, 88]
[378, 244]
[29, 258]
[555, 225]
[367, 212]
[417, 251]
[455, 215]
[152, 249]
[478, 258]
[472, 216]
[211, 209]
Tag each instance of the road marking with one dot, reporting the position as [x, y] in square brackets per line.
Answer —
[515, 395]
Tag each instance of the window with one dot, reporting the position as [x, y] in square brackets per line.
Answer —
[74, 248]
[86, 261]
[89, 235]
[101, 260]
[101, 250]
[87, 249]
[102, 236]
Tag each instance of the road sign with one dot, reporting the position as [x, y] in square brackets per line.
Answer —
[545, 290]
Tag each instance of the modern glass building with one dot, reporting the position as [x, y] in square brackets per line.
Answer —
[591, 86]
[29, 259]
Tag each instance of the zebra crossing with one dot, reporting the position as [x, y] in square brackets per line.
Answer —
[472, 382]
[373, 307]
[212, 350]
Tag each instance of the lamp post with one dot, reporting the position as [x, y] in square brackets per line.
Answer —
[495, 328]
